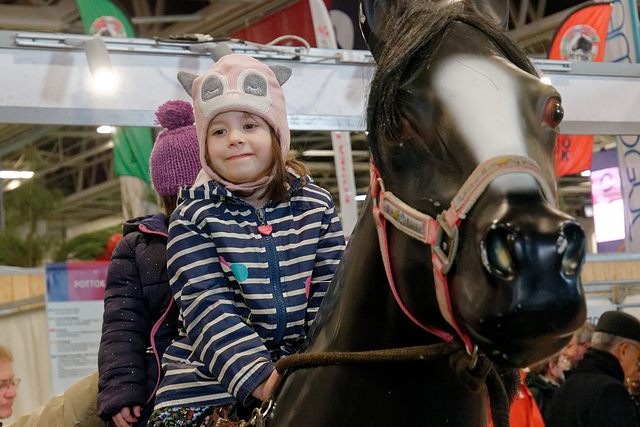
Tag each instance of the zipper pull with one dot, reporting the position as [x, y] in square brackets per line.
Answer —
[263, 228]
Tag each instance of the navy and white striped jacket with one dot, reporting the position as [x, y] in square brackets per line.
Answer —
[248, 284]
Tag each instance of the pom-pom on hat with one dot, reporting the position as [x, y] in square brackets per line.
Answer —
[239, 82]
[174, 160]
[620, 324]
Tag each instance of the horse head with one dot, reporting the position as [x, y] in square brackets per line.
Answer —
[462, 136]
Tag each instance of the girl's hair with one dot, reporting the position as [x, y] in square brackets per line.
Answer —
[169, 204]
[277, 189]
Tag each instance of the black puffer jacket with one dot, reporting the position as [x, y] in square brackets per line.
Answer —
[136, 298]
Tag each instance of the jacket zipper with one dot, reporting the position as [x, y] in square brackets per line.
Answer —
[274, 275]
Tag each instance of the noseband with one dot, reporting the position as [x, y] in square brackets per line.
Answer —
[432, 231]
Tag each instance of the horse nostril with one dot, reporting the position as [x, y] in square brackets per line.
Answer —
[571, 245]
[499, 251]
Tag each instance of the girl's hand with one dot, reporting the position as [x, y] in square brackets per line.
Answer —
[125, 418]
[262, 391]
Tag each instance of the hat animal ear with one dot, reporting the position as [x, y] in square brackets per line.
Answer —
[282, 73]
[186, 80]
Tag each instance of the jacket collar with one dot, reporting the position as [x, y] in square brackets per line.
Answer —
[601, 362]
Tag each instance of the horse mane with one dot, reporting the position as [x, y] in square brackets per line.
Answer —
[411, 30]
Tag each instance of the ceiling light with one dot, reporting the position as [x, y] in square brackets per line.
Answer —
[12, 185]
[16, 174]
[104, 129]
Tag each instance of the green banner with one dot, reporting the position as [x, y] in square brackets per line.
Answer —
[132, 145]
[103, 18]
[131, 151]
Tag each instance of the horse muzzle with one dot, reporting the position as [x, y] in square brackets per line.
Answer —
[533, 258]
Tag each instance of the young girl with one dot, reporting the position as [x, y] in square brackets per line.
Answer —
[252, 248]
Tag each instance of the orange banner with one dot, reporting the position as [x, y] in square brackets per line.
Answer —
[573, 154]
[581, 37]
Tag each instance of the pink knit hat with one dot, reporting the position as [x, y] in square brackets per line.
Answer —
[174, 160]
[239, 83]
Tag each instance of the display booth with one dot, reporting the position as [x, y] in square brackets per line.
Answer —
[47, 80]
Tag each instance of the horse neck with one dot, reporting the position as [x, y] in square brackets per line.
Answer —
[359, 311]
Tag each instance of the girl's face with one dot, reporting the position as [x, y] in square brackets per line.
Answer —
[239, 146]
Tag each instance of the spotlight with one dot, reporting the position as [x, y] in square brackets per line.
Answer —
[99, 64]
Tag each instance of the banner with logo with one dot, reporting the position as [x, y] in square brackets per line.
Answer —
[132, 146]
[75, 293]
[581, 37]
[103, 18]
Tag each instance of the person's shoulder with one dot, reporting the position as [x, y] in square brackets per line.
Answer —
[132, 225]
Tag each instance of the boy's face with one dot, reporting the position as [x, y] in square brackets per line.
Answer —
[7, 392]
[239, 146]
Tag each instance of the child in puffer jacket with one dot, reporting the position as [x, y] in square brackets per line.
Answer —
[140, 316]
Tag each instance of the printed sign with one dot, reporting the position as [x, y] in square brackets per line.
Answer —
[75, 292]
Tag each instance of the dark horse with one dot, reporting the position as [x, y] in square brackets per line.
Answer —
[460, 240]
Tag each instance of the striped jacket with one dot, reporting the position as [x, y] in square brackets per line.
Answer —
[248, 284]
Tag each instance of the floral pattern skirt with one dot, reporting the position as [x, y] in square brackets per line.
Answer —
[178, 417]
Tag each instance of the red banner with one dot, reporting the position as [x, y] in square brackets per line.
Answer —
[581, 37]
[573, 154]
[293, 20]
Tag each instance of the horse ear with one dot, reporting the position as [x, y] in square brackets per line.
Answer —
[282, 73]
[370, 17]
[496, 10]
[186, 80]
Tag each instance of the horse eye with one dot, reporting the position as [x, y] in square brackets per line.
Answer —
[553, 112]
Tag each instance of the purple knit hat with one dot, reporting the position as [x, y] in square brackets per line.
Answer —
[238, 82]
[174, 160]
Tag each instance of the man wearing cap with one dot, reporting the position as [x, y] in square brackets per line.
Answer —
[595, 394]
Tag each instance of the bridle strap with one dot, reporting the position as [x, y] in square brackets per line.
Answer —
[420, 226]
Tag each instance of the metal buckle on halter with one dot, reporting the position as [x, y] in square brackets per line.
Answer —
[474, 357]
[446, 258]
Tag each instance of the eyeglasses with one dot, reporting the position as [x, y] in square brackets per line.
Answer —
[4, 384]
